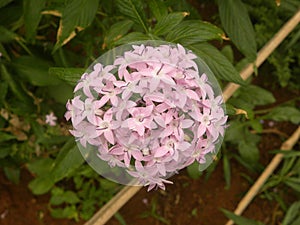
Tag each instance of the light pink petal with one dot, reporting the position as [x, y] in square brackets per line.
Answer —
[108, 134]
[140, 129]
[103, 100]
[201, 130]
[186, 123]
[154, 82]
[161, 151]
[192, 95]
[168, 80]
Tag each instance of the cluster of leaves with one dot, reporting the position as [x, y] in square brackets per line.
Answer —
[45, 46]
[267, 19]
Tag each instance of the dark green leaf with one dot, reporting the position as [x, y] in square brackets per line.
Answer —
[249, 151]
[168, 23]
[117, 31]
[6, 137]
[70, 75]
[293, 183]
[7, 35]
[255, 95]
[65, 197]
[37, 74]
[12, 173]
[284, 113]
[14, 86]
[134, 10]
[4, 2]
[193, 170]
[69, 212]
[256, 125]
[292, 214]
[32, 16]
[236, 22]
[3, 92]
[77, 15]
[217, 62]
[132, 37]
[158, 8]
[41, 167]
[239, 220]
[61, 93]
[228, 53]
[120, 218]
[4, 151]
[41, 185]
[67, 163]
[194, 31]
[227, 170]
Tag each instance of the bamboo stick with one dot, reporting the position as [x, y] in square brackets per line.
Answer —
[107, 211]
[286, 146]
[263, 54]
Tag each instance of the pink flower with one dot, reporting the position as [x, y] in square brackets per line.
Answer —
[150, 113]
[141, 119]
[51, 119]
[106, 125]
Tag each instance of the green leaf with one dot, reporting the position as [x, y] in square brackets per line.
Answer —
[255, 95]
[14, 86]
[158, 8]
[237, 24]
[293, 182]
[193, 171]
[134, 10]
[66, 163]
[120, 218]
[292, 214]
[284, 113]
[41, 185]
[217, 62]
[239, 220]
[70, 75]
[117, 31]
[64, 197]
[61, 93]
[3, 92]
[194, 31]
[4, 2]
[32, 16]
[6, 137]
[12, 173]
[76, 16]
[37, 74]
[132, 37]
[248, 151]
[168, 23]
[7, 35]
[228, 53]
[227, 170]
[69, 212]
[4, 151]
[41, 167]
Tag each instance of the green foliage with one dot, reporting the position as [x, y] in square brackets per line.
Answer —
[240, 220]
[236, 22]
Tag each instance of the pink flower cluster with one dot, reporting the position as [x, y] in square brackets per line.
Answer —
[150, 112]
